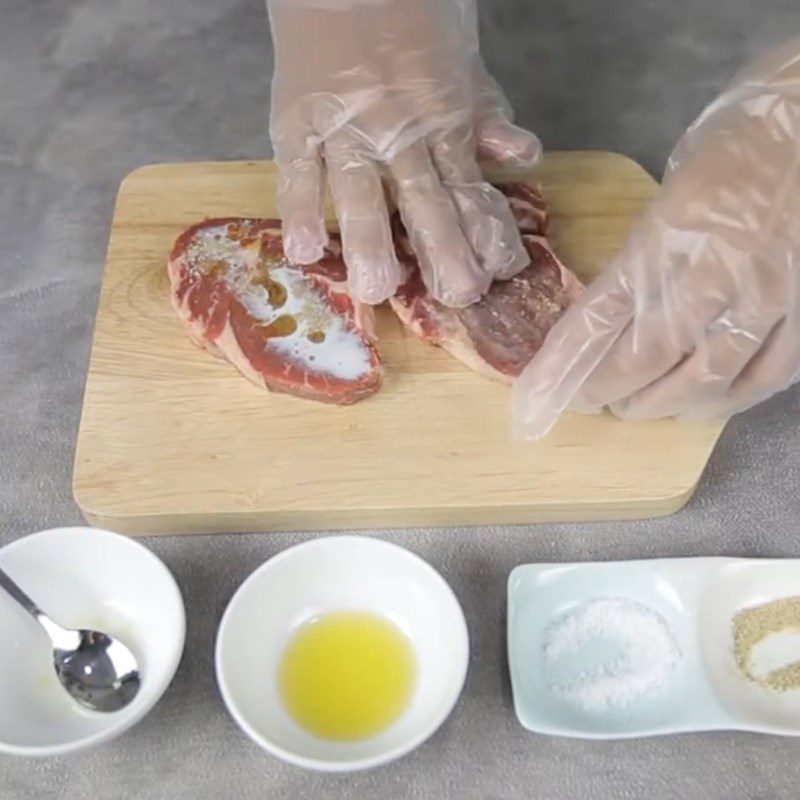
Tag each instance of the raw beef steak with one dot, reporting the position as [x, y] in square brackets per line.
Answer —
[290, 328]
[500, 334]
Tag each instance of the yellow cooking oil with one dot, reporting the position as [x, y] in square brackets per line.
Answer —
[347, 675]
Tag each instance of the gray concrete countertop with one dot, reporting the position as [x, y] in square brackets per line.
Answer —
[90, 89]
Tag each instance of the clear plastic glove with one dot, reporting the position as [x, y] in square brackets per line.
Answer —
[699, 315]
[372, 90]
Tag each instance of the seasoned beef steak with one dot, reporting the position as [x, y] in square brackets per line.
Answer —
[500, 334]
[289, 328]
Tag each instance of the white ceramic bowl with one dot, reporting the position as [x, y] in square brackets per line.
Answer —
[330, 574]
[83, 578]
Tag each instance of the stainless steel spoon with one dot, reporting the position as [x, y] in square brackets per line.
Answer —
[99, 672]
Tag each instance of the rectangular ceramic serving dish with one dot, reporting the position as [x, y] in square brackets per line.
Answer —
[698, 599]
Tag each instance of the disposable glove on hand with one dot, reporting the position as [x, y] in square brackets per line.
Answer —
[395, 90]
[699, 315]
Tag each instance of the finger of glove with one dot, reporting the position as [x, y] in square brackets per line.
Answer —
[486, 216]
[506, 143]
[600, 351]
[672, 311]
[372, 267]
[774, 368]
[448, 265]
[699, 382]
[572, 349]
[498, 138]
[684, 284]
[300, 195]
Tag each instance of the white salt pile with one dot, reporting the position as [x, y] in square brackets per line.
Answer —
[639, 653]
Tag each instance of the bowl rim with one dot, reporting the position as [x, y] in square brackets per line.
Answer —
[319, 764]
[137, 713]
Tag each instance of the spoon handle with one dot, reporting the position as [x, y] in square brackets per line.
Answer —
[20, 596]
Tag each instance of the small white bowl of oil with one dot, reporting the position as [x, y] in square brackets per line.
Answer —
[342, 653]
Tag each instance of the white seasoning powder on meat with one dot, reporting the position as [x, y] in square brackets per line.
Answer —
[609, 653]
[342, 353]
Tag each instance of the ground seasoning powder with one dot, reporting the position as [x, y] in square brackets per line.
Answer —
[752, 626]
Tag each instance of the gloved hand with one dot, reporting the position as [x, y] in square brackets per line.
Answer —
[699, 315]
[367, 90]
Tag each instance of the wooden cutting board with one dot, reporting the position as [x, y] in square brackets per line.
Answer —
[173, 440]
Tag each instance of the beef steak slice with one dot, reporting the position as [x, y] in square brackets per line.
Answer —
[285, 327]
[500, 334]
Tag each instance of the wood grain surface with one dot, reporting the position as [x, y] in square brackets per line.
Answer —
[173, 440]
